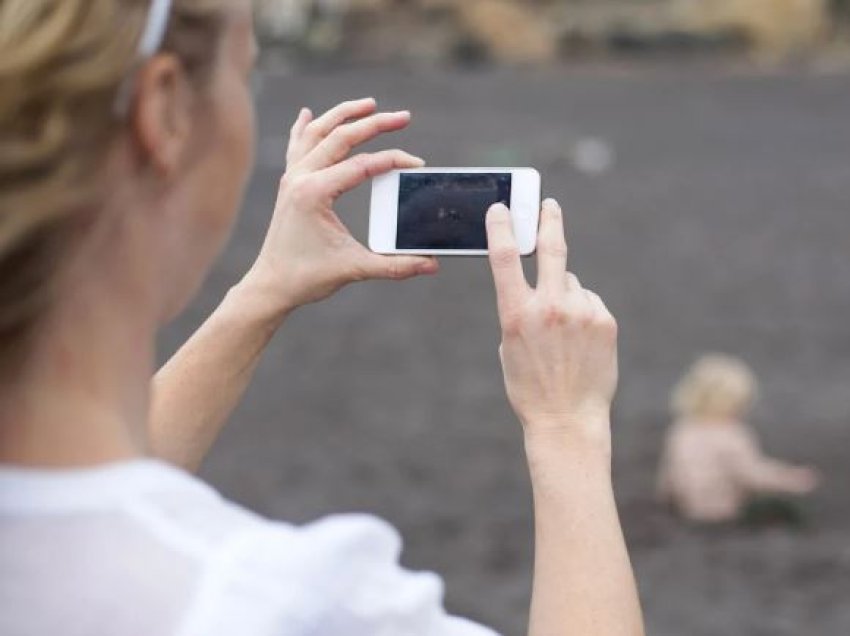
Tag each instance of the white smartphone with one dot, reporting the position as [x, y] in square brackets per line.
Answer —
[442, 211]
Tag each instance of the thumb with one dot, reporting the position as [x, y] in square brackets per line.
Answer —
[398, 267]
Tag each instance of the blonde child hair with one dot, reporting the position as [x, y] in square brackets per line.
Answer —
[717, 386]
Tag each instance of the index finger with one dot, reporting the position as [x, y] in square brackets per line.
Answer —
[336, 146]
[324, 125]
[511, 286]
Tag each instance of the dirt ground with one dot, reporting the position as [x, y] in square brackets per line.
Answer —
[723, 224]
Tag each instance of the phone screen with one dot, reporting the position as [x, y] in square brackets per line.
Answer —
[446, 210]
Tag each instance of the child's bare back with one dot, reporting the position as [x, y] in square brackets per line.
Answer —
[712, 463]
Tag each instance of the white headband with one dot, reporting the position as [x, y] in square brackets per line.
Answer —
[154, 32]
[149, 43]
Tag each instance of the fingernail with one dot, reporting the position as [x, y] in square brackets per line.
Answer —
[498, 207]
[550, 201]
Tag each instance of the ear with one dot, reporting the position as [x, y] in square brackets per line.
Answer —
[161, 118]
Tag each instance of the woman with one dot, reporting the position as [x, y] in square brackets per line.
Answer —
[126, 133]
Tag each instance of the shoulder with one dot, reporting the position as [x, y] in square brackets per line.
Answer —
[338, 575]
[684, 433]
[740, 435]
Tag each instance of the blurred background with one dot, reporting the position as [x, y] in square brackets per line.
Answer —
[702, 151]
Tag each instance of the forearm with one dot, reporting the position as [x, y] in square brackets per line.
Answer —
[774, 476]
[197, 390]
[583, 581]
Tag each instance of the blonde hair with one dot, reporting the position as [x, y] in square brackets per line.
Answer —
[61, 65]
[716, 386]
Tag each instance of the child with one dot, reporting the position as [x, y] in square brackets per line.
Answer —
[712, 466]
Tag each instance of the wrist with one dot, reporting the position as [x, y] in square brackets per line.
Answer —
[584, 427]
[561, 445]
[260, 301]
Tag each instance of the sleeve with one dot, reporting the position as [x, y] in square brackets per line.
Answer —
[340, 575]
[354, 567]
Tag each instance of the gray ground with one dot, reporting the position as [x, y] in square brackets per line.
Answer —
[724, 225]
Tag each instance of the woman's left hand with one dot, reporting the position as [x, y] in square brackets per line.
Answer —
[308, 253]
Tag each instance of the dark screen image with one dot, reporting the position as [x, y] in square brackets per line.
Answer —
[448, 211]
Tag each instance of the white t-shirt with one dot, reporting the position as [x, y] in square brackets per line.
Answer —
[142, 549]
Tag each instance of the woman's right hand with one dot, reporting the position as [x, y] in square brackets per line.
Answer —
[559, 341]
[559, 353]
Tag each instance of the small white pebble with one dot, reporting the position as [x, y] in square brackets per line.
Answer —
[592, 156]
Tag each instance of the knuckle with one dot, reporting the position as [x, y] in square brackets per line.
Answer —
[398, 157]
[363, 165]
[512, 326]
[311, 132]
[608, 324]
[554, 246]
[345, 134]
[577, 315]
[504, 255]
[357, 105]
[555, 315]
[295, 182]
[301, 188]
[396, 271]
[583, 317]
[584, 322]
[290, 181]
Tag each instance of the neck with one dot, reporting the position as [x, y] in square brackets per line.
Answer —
[82, 397]
[716, 420]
